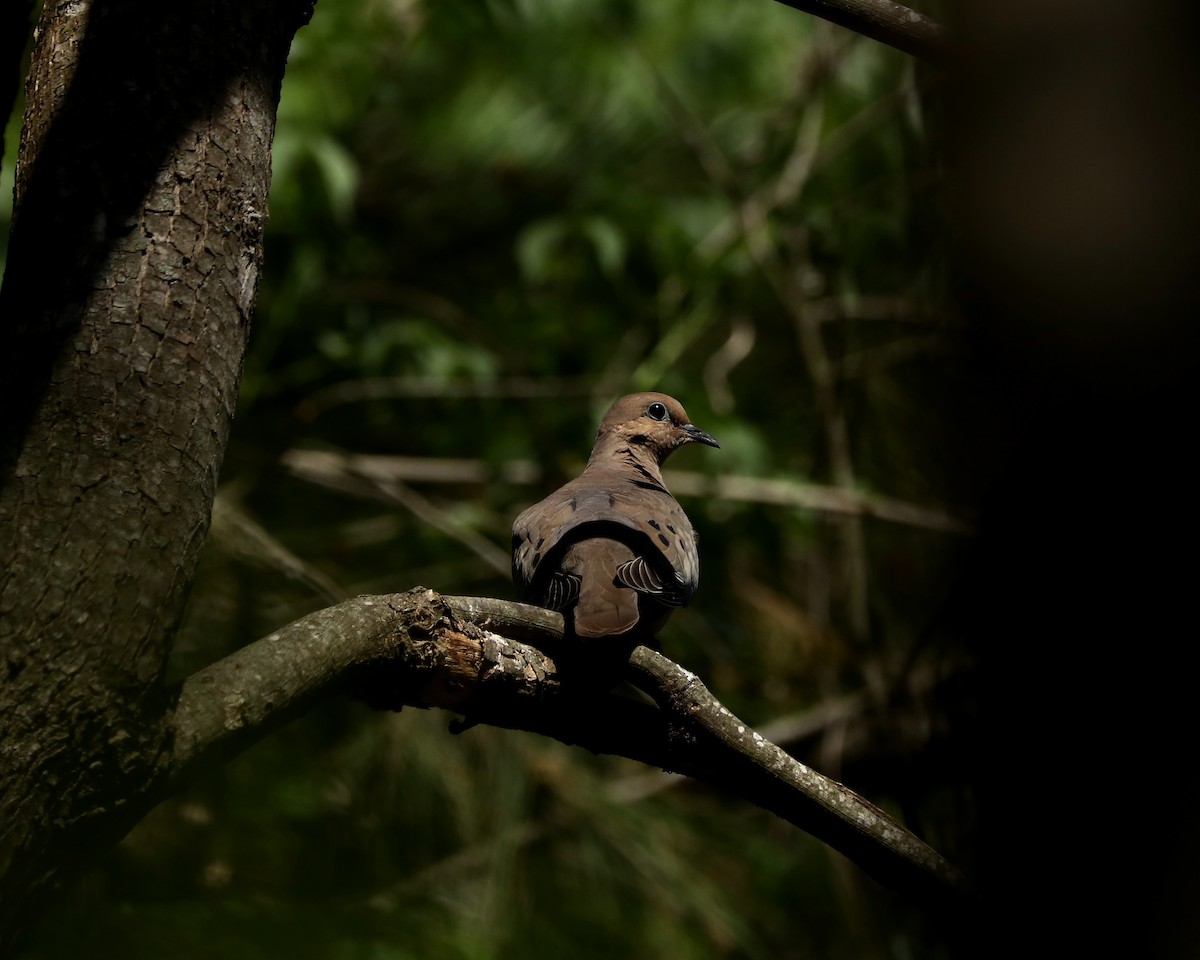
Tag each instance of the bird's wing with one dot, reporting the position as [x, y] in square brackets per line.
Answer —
[645, 517]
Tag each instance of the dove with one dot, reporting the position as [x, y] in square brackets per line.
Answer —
[612, 549]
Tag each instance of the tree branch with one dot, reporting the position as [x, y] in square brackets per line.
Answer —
[366, 475]
[890, 23]
[474, 656]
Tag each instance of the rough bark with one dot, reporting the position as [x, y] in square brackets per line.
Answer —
[467, 654]
[141, 198]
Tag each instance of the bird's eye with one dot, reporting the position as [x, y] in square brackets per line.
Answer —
[657, 411]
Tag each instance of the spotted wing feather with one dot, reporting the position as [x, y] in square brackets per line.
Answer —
[663, 563]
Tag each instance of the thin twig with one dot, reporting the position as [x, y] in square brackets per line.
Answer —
[428, 512]
[750, 216]
[396, 388]
[370, 478]
[749, 222]
[238, 532]
[716, 371]
[327, 467]
[817, 497]
[362, 474]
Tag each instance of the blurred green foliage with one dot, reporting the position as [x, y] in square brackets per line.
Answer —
[489, 218]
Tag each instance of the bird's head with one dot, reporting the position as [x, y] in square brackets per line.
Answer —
[647, 423]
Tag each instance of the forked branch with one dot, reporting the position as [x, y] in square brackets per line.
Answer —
[485, 659]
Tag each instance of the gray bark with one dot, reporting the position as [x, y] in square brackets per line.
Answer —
[141, 195]
[467, 654]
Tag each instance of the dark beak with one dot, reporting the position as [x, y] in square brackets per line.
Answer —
[698, 435]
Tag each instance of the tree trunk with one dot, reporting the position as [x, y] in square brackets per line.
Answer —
[141, 197]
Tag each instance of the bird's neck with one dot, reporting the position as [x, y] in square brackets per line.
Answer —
[641, 461]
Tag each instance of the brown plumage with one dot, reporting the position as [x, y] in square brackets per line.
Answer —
[612, 548]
